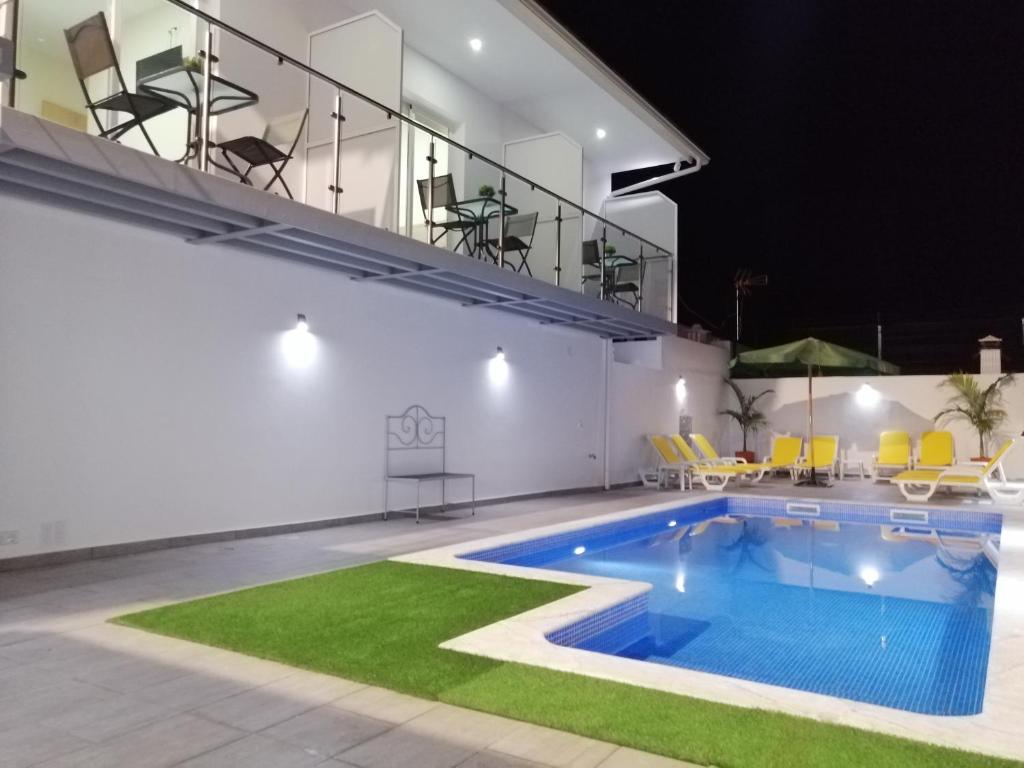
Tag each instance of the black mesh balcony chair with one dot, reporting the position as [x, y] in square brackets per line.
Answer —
[625, 283]
[257, 152]
[92, 52]
[444, 198]
[591, 261]
[518, 239]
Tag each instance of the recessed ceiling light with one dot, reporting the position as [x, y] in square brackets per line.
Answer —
[601, 133]
[476, 44]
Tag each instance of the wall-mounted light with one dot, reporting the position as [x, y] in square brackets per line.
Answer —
[867, 396]
[681, 389]
[298, 344]
[869, 575]
[600, 133]
[497, 368]
[476, 45]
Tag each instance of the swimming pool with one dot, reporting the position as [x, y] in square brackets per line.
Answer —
[879, 604]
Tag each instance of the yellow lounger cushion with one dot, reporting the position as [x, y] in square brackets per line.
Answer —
[728, 469]
[936, 449]
[705, 447]
[932, 475]
[894, 449]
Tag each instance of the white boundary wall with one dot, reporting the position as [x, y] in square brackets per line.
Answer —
[144, 393]
[907, 403]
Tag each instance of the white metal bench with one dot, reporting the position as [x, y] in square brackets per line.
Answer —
[415, 434]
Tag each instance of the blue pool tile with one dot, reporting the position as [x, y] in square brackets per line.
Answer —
[890, 613]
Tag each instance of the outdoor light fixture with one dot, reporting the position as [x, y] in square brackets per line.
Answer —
[867, 396]
[601, 133]
[497, 368]
[298, 344]
[476, 44]
[869, 575]
[681, 389]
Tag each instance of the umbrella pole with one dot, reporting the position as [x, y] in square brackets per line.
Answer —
[813, 478]
[810, 419]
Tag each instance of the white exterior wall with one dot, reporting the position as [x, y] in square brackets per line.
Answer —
[646, 402]
[145, 395]
[908, 403]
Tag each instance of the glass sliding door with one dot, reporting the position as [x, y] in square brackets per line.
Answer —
[415, 150]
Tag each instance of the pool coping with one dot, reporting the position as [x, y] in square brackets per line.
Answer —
[523, 639]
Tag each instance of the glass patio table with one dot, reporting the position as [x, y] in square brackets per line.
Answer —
[480, 210]
[183, 87]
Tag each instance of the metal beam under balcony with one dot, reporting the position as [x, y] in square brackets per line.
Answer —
[65, 168]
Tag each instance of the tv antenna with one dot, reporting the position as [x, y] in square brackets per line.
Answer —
[744, 283]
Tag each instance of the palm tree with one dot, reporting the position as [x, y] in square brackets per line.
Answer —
[747, 416]
[980, 407]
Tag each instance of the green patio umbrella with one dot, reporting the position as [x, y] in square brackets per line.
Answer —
[800, 358]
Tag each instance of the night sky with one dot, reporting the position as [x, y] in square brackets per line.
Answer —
[867, 155]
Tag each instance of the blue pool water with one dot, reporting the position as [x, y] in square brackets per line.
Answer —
[858, 601]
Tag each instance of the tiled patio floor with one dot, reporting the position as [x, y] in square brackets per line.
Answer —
[76, 691]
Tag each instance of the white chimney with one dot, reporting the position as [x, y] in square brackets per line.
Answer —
[991, 355]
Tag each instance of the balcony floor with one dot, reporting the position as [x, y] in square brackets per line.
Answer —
[49, 163]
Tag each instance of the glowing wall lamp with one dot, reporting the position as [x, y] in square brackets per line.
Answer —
[869, 575]
[867, 396]
[681, 389]
[299, 345]
[497, 368]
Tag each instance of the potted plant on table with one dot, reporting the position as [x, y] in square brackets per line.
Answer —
[609, 249]
[486, 190]
[981, 407]
[747, 416]
[193, 63]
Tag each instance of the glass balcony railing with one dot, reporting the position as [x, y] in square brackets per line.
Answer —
[164, 78]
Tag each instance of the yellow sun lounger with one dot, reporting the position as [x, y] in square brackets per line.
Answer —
[936, 451]
[921, 484]
[713, 476]
[669, 462]
[785, 455]
[893, 454]
[705, 447]
[826, 449]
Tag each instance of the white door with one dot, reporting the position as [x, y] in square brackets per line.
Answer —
[365, 54]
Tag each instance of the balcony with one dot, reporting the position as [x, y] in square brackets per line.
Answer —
[349, 169]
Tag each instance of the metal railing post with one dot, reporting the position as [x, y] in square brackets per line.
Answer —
[204, 142]
[430, 192]
[640, 283]
[335, 188]
[672, 288]
[604, 241]
[558, 246]
[501, 224]
[281, 57]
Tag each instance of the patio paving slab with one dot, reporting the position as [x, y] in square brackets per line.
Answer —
[77, 691]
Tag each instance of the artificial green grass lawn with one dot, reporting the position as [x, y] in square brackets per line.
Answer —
[381, 624]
